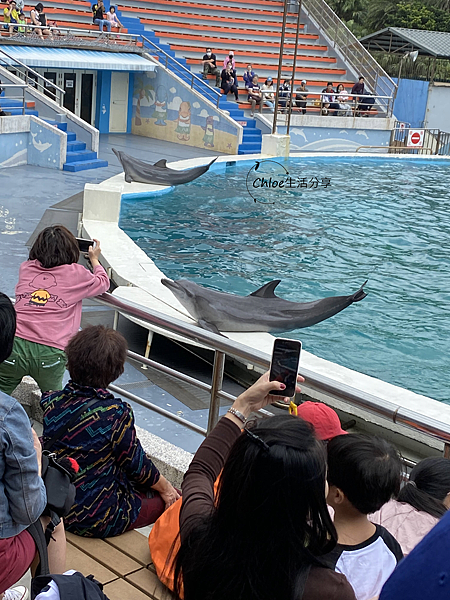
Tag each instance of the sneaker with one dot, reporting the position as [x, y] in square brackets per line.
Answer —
[19, 592]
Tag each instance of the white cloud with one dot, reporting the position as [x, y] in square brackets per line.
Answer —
[196, 105]
[175, 103]
[204, 113]
[173, 90]
[216, 118]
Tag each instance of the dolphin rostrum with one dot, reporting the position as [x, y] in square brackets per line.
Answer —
[260, 311]
[159, 173]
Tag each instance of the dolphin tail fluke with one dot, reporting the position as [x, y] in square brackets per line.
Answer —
[360, 294]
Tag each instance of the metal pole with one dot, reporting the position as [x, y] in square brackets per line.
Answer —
[438, 141]
[280, 64]
[294, 67]
[23, 99]
[216, 386]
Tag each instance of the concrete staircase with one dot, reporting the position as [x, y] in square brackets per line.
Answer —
[77, 157]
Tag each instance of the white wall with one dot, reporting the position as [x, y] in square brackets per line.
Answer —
[437, 114]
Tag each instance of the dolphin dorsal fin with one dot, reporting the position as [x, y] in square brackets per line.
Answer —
[267, 290]
[161, 163]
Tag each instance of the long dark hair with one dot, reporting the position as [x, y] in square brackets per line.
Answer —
[428, 487]
[270, 522]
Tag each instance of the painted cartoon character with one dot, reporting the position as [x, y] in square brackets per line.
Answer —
[183, 129]
[160, 112]
[40, 296]
[208, 138]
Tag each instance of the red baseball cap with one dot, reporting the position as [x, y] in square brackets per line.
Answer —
[324, 419]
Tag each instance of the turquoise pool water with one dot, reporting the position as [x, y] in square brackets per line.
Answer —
[386, 221]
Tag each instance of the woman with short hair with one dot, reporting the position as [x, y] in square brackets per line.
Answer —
[118, 486]
[49, 295]
[263, 536]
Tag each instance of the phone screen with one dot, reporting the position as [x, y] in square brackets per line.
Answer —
[284, 365]
[83, 244]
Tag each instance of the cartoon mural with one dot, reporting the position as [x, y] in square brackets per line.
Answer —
[40, 295]
[184, 122]
[208, 138]
[40, 146]
[164, 108]
[327, 139]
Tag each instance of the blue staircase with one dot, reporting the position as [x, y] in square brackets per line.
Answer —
[252, 138]
[15, 107]
[77, 157]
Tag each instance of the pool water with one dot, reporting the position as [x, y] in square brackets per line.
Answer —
[382, 220]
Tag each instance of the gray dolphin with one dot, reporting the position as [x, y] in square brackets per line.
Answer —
[159, 173]
[260, 311]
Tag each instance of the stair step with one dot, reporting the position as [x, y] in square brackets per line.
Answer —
[71, 136]
[61, 126]
[18, 111]
[80, 156]
[84, 165]
[75, 146]
[10, 103]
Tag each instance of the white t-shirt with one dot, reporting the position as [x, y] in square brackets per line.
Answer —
[368, 565]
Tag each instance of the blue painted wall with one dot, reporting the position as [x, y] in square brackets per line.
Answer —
[131, 83]
[411, 102]
[103, 101]
[13, 149]
[327, 139]
[44, 146]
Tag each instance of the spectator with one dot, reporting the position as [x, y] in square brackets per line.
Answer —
[424, 573]
[48, 305]
[113, 19]
[45, 23]
[264, 534]
[365, 104]
[35, 15]
[284, 93]
[358, 88]
[248, 76]
[229, 80]
[342, 97]
[230, 59]
[328, 99]
[22, 491]
[324, 419]
[301, 96]
[99, 16]
[119, 488]
[22, 21]
[210, 66]
[268, 93]
[420, 504]
[363, 474]
[254, 96]
[11, 16]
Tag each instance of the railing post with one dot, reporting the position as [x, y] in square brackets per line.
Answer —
[438, 140]
[216, 386]
[23, 100]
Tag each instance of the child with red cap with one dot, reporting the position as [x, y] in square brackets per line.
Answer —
[324, 419]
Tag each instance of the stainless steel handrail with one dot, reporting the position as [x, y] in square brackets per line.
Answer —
[353, 52]
[82, 32]
[58, 97]
[206, 89]
[314, 381]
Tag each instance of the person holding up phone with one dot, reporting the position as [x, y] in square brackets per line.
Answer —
[264, 533]
[49, 294]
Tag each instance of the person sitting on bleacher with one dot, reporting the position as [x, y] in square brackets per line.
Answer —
[209, 61]
[99, 16]
[35, 15]
[342, 98]
[118, 486]
[248, 76]
[11, 16]
[113, 19]
[301, 96]
[229, 80]
[365, 104]
[268, 93]
[254, 95]
[329, 99]
[22, 491]
[284, 94]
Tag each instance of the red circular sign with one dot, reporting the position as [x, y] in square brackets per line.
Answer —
[415, 138]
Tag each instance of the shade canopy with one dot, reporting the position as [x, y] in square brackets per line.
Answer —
[399, 40]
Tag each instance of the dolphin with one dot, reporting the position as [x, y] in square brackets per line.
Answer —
[159, 173]
[260, 311]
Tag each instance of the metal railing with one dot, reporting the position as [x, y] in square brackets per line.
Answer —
[222, 346]
[435, 141]
[62, 35]
[47, 87]
[352, 51]
[196, 83]
[4, 99]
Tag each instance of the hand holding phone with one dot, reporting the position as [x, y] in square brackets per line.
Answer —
[83, 244]
[284, 365]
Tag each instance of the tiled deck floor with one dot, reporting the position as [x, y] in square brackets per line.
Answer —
[122, 564]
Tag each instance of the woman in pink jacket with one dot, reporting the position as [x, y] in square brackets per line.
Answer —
[48, 305]
[422, 501]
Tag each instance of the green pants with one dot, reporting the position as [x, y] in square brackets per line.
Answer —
[46, 365]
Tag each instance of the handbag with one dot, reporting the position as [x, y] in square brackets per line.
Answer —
[59, 475]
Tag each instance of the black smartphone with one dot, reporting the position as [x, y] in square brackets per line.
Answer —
[284, 365]
[83, 244]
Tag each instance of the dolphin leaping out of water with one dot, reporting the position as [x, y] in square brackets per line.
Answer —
[157, 174]
[260, 311]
